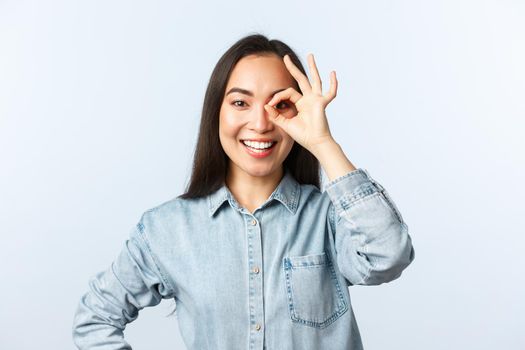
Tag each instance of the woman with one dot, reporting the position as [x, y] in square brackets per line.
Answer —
[255, 256]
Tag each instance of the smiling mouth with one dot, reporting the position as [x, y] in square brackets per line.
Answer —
[255, 148]
[259, 149]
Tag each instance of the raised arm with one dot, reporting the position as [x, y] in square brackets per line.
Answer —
[371, 238]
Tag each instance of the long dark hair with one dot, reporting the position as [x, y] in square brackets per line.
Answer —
[210, 162]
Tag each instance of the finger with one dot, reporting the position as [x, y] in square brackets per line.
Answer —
[288, 94]
[333, 87]
[302, 80]
[317, 85]
[277, 118]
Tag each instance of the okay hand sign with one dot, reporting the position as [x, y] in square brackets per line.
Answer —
[310, 126]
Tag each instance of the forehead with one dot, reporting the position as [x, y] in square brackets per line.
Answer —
[260, 74]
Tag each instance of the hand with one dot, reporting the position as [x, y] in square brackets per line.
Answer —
[310, 126]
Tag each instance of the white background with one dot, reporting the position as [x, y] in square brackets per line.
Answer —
[99, 110]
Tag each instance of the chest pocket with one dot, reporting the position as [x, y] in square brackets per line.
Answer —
[315, 297]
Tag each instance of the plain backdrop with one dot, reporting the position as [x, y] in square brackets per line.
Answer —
[99, 111]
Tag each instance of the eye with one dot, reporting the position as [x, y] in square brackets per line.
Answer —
[282, 105]
[242, 103]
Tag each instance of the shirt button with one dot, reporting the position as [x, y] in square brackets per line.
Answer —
[257, 326]
[254, 222]
[256, 269]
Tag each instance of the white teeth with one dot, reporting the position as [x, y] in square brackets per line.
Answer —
[258, 145]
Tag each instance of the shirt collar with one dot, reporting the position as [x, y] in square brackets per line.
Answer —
[287, 192]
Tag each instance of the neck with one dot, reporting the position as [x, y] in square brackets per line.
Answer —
[252, 191]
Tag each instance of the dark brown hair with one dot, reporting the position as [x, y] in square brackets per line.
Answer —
[210, 162]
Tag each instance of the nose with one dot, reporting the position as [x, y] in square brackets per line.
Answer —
[261, 120]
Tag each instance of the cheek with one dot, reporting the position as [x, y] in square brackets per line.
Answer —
[229, 126]
[287, 143]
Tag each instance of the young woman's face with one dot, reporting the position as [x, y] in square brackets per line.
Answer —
[253, 82]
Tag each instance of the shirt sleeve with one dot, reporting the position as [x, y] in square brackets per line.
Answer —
[371, 238]
[115, 296]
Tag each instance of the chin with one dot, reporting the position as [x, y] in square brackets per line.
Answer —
[254, 171]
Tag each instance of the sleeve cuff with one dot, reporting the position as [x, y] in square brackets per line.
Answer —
[346, 189]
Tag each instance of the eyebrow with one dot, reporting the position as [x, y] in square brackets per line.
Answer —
[248, 92]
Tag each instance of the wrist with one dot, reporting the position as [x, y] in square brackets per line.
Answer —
[332, 159]
[327, 147]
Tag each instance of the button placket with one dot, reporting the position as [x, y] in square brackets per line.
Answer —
[255, 283]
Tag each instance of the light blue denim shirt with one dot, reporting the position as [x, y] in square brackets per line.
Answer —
[273, 279]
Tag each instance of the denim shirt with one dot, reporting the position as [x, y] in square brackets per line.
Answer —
[273, 279]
